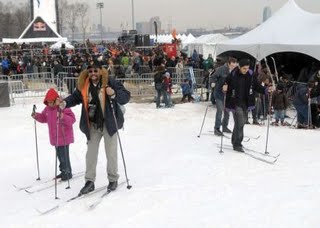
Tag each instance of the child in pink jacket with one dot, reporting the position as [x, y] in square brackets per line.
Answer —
[61, 138]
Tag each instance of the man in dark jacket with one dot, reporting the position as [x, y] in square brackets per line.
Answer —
[304, 96]
[58, 68]
[159, 86]
[239, 88]
[217, 81]
[99, 96]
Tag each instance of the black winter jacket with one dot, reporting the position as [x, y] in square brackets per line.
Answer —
[241, 90]
[122, 97]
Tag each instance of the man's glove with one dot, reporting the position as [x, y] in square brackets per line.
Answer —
[61, 103]
[33, 114]
[213, 85]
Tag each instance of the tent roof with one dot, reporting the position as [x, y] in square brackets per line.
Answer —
[291, 29]
[210, 39]
[57, 46]
[33, 40]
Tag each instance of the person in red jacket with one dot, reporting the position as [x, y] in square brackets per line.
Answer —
[60, 125]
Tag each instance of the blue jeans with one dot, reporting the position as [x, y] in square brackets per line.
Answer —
[302, 114]
[169, 100]
[220, 109]
[279, 115]
[64, 159]
[163, 93]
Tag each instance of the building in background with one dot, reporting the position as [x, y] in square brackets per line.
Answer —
[267, 13]
[152, 27]
[147, 27]
[143, 27]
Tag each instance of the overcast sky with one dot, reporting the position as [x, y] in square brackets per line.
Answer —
[209, 14]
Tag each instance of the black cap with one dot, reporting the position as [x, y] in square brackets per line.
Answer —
[95, 64]
[244, 62]
[280, 86]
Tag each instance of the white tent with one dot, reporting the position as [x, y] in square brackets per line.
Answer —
[188, 40]
[167, 38]
[291, 29]
[57, 46]
[206, 44]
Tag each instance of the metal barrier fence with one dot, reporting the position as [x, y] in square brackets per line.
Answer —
[37, 84]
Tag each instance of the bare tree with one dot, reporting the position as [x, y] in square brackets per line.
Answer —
[13, 19]
[63, 14]
[22, 17]
[7, 27]
[84, 18]
[72, 17]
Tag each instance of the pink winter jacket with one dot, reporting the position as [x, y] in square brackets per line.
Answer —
[65, 133]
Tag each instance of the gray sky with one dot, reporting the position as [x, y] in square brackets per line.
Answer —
[209, 14]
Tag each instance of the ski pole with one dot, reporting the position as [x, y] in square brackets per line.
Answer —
[294, 118]
[223, 110]
[123, 160]
[309, 111]
[204, 118]
[56, 161]
[268, 124]
[36, 138]
[66, 157]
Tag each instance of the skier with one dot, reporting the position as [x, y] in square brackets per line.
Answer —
[61, 137]
[217, 81]
[239, 88]
[95, 92]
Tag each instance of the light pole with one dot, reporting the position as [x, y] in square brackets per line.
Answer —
[100, 5]
[132, 14]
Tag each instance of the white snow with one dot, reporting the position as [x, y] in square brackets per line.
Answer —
[178, 179]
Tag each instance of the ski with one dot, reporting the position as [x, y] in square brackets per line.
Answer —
[252, 137]
[38, 184]
[74, 198]
[246, 138]
[265, 158]
[251, 150]
[262, 153]
[224, 135]
[31, 191]
[100, 199]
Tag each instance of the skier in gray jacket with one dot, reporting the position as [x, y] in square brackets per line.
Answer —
[217, 80]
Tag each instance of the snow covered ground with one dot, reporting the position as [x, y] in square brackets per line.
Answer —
[178, 179]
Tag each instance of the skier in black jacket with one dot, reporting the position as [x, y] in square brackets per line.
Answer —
[240, 86]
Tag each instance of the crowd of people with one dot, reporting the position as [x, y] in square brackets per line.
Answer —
[121, 60]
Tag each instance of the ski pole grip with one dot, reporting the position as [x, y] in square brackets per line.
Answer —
[34, 108]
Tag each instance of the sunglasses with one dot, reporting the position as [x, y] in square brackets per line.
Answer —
[93, 71]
